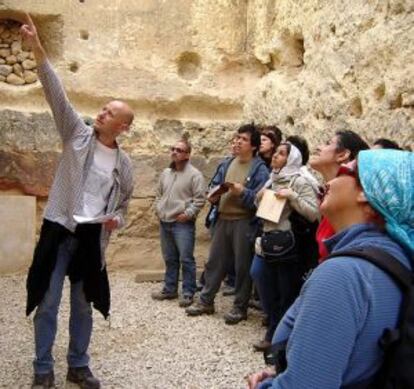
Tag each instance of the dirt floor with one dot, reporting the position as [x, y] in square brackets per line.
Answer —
[146, 344]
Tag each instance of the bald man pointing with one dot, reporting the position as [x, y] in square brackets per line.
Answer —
[88, 199]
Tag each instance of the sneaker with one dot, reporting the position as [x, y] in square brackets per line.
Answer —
[262, 345]
[228, 290]
[41, 381]
[163, 295]
[236, 315]
[185, 301]
[199, 308]
[83, 377]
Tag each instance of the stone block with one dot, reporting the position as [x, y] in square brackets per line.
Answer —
[17, 232]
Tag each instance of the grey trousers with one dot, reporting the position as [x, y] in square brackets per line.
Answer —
[232, 242]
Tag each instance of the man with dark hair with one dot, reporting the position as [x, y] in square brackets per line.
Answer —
[93, 183]
[242, 175]
[180, 197]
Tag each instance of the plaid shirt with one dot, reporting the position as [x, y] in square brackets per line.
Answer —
[79, 141]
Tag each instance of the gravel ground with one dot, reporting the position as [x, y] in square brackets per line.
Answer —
[147, 344]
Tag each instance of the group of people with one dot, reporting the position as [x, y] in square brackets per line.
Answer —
[328, 322]
[327, 318]
[331, 333]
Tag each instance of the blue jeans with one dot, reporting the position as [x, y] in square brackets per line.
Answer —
[45, 319]
[177, 246]
[278, 287]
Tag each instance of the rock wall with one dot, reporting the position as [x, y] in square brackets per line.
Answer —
[203, 68]
[335, 65]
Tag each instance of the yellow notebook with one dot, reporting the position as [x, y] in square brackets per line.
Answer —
[270, 207]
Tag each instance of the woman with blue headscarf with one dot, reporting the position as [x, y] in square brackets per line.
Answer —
[332, 329]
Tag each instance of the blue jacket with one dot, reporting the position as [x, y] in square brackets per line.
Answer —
[334, 326]
[255, 180]
[212, 213]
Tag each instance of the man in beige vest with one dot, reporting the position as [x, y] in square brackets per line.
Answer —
[235, 229]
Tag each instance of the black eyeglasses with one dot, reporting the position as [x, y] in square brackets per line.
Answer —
[177, 150]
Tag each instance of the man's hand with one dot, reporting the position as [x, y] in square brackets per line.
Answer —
[110, 225]
[31, 37]
[182, 218]
[29, 33]
[256, 378]
[236, 189]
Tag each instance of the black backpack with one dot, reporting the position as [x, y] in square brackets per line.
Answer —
[305, 238]
[397, 370]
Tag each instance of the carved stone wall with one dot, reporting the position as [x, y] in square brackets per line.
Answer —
[203, 68]
[335, 65]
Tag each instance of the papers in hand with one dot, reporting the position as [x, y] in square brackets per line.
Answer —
[219, 189]
[270, 207]
[89, 220]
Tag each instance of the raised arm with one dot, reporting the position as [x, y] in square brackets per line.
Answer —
[66, 119]
[31, 37]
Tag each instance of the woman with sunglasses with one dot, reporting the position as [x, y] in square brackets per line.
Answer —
[332, 329]
[342, 148]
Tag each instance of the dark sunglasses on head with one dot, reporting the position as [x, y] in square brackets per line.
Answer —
[177, 150]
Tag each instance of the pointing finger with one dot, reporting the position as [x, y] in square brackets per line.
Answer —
[29, 20]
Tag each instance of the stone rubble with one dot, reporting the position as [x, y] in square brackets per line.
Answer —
[13, 57]
[146, 345]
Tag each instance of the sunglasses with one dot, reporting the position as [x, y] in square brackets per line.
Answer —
[343, 170]
[177, 150]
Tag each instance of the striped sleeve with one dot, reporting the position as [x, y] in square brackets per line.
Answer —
[66, 119]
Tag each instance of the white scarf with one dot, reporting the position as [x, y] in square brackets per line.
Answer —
[292, 167]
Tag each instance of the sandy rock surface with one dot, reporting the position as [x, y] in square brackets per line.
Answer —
[147, 345]
[200, 69]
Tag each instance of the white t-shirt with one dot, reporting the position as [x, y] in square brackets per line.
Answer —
[99, 181]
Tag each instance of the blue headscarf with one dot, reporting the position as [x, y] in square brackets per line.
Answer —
[387, 178]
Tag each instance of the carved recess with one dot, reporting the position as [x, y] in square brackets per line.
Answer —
[17, 65]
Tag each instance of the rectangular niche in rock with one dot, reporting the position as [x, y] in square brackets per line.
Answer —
[17, 64]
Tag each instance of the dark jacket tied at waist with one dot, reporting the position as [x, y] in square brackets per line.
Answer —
[86, 265]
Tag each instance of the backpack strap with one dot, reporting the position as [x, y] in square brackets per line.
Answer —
[401, 275]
